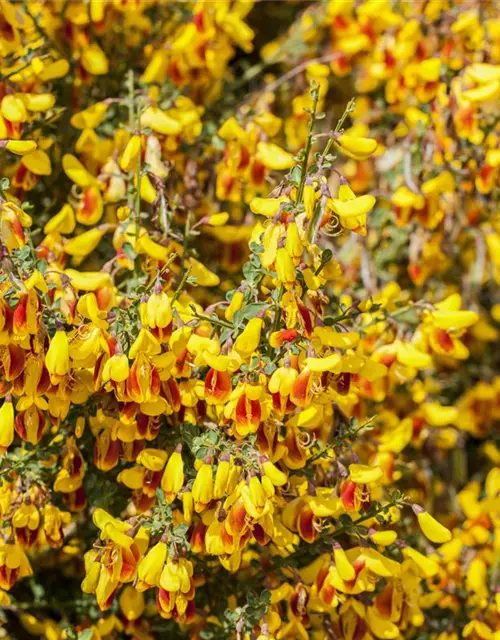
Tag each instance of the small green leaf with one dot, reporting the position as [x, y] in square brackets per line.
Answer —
[213, 436]
[129, 251]
[202, 453]
[251, 310]
[295, 175]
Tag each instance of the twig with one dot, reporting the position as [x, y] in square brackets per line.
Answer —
[340, 439]
[475, 278]
[367, 275]
[408, 172]
[178, 291]
[298, 69]
[348, 110]
[187, 230]
[277, 316]
[216, 321]
[303, 174]
[42, 32]
[169, 261]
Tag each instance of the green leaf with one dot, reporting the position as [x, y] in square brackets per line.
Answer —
[256, 247]
[160, 496]
[326, 256]
[251, 310]
[269, 369]
[129, 251]
[189, 432]
[180, 530]
[295, 175]
[202, 453]
[213, 436]
[411, 316]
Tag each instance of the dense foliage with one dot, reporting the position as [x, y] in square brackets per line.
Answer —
[250, 256]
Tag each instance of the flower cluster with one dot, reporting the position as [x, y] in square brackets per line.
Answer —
[246, 377]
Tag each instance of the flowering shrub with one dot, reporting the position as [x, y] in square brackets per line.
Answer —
[248, 378]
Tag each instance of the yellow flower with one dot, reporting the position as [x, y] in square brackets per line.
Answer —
[76, 172]
[152, 459]
[277, 477]
[234, 306]
[268, 207]
[88, 307]
[91, 117]
[63, 222]
[19, 147]
[364, 474]
[309, 199]
[282, 380]
[294, 244]
[151, 566]
[203, 487]
[94, 60]
[131, 603]
[160, 121]
[222, 476]
[384, 538]
[344, 567]
[128, 161]
[248, 341]
[38, 162]
[116, 368]
[173, 476]
[158, 313]
[352, 210]
[6, 424]
[82, 245]
[274, 157]
[57, 358]
[176, 576]
[13, 109]
[431, 528]
[285, 267]
[203, 276]
[354, 147]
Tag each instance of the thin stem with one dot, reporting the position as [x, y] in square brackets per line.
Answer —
[319, 542]
[163, 217]
[169, 261]
[392, 316]
[13, 73]
[42, 32]
[130, 104]
[408, 172]
[187, 230]
[307, 150]
[349, 109]
[339, 440]
[316, 220]
[367, 516]
[298, 69]
[277, 317]
[137, 205]
[19, 464]
[345, 316]
[216, 321]
[179, 289]
[327, 149]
